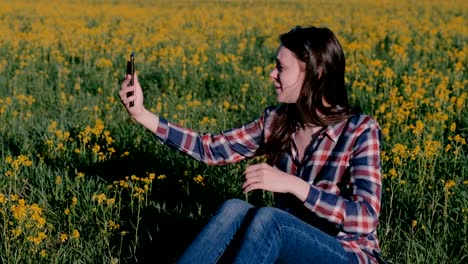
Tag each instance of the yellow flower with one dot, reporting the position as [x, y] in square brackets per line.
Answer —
[9, 159]
[449, 184]
[431, 147]
[52, 126]
[58, 180]
[63, 237]
[414, 223]
[80, 175]
[204, 121]
[459, 139]
[20, 211]
[418, 128]
[199, 179]
[16, 232]
[99, 198]
[448, 147]
[60, 146]
[393, 173]
[110, 201]
[96, 148]
[37, 240]
[134, 178]
[385, 131]
[226, 105]
[113, 225]
[103, 63]
[75, 234]
[453, 127]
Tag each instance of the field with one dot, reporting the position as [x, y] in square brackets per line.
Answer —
[80, 182]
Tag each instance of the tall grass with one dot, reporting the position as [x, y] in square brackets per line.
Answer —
[81, 182]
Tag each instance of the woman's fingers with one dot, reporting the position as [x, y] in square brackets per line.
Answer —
[251, 179]
[126, 81]
[256, 167]
[124, 88]
[127, 93]
[265, 177]
[126, 100]
[254, 177]
[251, 184]
[135, 77]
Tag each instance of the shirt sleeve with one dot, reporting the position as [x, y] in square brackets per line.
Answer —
[214, 149]
[358, 214]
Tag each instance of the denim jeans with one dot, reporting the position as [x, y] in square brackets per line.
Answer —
[240, 233]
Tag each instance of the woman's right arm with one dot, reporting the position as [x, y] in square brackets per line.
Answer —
[215, 149]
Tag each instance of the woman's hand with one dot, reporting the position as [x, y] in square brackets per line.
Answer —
[265, 177]
[137, 108]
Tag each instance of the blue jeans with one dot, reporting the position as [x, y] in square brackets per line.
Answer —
[240, 233]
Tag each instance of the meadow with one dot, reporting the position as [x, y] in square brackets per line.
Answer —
[80, 182]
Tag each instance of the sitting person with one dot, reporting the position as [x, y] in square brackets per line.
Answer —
[323, 165]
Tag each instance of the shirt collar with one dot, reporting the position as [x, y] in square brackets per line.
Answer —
[334, 131]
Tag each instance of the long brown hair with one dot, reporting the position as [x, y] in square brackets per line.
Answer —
[324, 81]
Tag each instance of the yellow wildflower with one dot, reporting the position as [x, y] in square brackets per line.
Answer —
[75, 234]
[199, 179]
[449, 184]
[80, 175]
[99, 198]
[63, 237]
[58, 180]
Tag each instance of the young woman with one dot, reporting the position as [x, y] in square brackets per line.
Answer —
[323, 165]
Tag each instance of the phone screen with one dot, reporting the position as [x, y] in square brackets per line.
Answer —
[131, 71]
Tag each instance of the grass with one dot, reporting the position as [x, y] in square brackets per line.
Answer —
[80, 182]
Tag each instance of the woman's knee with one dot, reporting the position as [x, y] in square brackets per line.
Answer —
[234, 207]
[265, 216]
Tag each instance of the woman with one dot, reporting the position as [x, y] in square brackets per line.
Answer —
[322, 164]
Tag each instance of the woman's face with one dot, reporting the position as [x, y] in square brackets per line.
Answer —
[288, 76]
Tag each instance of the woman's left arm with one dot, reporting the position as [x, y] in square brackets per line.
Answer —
[360, 212]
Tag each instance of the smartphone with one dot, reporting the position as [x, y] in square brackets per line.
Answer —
[131, 71]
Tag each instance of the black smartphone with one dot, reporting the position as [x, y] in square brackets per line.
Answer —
[131, 71]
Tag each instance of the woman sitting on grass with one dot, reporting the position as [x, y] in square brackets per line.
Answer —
[323, 165]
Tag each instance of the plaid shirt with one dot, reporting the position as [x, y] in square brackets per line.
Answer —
[342, 166]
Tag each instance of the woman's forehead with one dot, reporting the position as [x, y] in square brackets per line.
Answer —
[285, 54]
[286, 57]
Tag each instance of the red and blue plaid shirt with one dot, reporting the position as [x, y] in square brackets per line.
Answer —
[342, 165]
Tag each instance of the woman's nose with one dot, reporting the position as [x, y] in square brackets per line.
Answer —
[273, 74]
